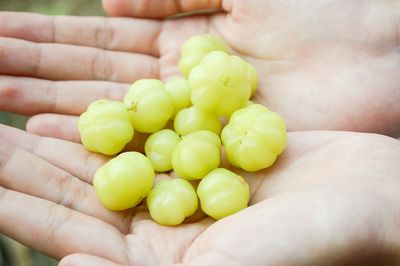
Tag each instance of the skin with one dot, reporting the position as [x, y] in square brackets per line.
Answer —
[329, 65]
[308, 209]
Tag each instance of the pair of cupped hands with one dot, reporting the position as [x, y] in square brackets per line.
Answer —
[332, 198]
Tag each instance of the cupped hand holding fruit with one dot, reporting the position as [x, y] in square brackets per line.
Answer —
[48, 203]
[297, 69]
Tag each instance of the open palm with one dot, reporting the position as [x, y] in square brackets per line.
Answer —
[308, 209]
[323, 65]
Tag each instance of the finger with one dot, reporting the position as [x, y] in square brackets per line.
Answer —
[118, 34]
[68, 62]
[158, 8]
[24, 172]
[31, 96]
[55, 230]
[82, 163]
[55, 126]
[85, 259]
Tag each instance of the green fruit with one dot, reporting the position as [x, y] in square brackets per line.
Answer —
[105, 127]
[195, 48]
[171, 201]
[223, 193]
[254, 137]
[159, 148]
[220, 83]
[124, 181]
[149, 105]
[196, 155]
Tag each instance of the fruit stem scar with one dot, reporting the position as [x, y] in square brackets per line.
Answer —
[226, 81]
[133, 107]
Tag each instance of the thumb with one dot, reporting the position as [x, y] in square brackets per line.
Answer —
[157, 8]
[85, 260]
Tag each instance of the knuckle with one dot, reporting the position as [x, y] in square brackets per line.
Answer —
[155, 69]
[71, 194]
[91, 163]
[56, 218]
[53, 29]
[6, 153]
[101, 66]
[3, 49]
[50, 95]
[104, 34]
[36, 60]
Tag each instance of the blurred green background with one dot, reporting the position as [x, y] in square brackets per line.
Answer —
[11, 252]
[54, 7]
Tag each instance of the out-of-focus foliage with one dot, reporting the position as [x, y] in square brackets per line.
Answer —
[54, 7]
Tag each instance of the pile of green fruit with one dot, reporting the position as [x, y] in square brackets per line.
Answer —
[215, 85]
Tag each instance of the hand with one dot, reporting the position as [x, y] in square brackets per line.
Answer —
[323, 65]
[331, 199]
